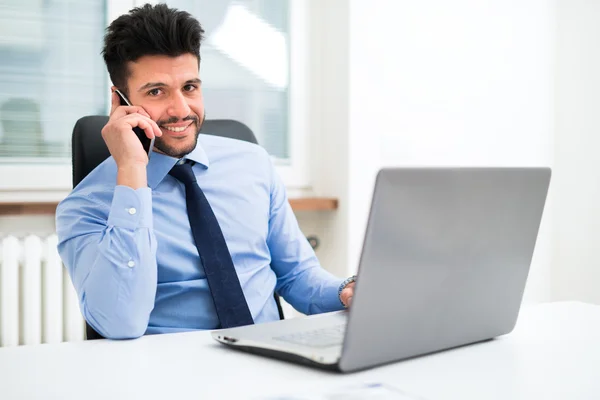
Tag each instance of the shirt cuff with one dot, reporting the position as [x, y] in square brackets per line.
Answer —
[131, 208]
[331, 299]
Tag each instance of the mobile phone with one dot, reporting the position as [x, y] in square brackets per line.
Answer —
[148, 144]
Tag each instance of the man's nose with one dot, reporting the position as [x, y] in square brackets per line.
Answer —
[179, 107]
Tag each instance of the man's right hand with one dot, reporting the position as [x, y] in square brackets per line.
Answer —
[123, 144]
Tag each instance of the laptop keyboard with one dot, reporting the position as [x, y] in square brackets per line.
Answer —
[324, 337]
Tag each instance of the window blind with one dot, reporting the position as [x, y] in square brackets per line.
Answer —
[51, 74]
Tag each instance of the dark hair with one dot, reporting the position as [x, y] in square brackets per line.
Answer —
[149, 30]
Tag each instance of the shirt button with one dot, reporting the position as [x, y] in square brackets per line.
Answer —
[131, 264]
[132, 211]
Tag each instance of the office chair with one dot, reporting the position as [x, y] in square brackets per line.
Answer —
[89, 150]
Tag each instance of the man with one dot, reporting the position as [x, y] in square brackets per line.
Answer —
[200, 235]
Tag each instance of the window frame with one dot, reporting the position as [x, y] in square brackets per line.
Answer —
[47, 180]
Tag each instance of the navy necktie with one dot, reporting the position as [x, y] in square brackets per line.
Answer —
[223, 281]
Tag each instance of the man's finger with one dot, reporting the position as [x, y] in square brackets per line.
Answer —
[155, 128]
[148, 125]
[128, 110]
[136, 110]
[122, 111]
[346, 295]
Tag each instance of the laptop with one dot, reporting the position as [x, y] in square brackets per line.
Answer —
[444, 263]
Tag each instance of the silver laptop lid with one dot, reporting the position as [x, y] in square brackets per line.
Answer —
[445, 260]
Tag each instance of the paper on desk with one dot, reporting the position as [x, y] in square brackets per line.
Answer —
[369, 391]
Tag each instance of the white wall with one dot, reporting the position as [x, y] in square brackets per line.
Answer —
[23, 225]
[576, 265]
[434, 83]
[328, 125]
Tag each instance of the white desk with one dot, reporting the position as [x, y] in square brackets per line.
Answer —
[554, 353]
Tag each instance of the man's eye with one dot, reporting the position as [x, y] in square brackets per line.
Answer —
[189, 88]
[154, 92]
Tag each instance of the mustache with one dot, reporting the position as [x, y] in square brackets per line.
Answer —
[174, 120]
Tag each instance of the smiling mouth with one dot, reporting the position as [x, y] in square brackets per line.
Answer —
[176, 129]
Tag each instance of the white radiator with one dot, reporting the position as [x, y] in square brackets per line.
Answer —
[38, 303]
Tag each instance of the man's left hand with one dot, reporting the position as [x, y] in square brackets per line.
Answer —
[347, 293]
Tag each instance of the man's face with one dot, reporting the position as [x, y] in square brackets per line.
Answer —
[168, 88]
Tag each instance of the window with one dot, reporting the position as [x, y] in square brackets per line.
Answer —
[52, 74]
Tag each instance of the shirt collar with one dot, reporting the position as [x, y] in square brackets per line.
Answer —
[160, 164]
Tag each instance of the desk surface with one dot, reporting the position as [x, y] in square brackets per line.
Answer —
[554, 353]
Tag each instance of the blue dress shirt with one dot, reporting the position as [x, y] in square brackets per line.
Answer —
[133, 262]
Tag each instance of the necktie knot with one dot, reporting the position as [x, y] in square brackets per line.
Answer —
[183, 173]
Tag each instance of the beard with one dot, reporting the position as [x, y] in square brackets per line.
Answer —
[177, 152]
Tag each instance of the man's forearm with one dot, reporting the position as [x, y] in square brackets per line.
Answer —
[311, 290]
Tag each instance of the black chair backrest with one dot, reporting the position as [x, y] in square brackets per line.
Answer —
[89, 150]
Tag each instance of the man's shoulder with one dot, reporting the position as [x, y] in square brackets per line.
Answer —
[236, 154]
[226, 146]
